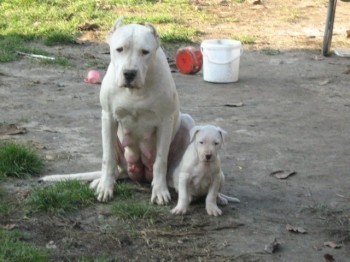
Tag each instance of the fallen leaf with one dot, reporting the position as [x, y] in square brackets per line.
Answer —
[328, 258]
[324, 82]
[295, 229]
[272, 247]
[282, 174]
[10, 226]
[331, 244]
[240, 104]
[50, 157]
[51, 245]
[11, 129]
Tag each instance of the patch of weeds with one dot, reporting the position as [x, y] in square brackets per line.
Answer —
[13, 249]
[245, 39]
[270, 51]
[123, 190]
[61, 197]
[58, 38]
[5, 206]
[60, 60]
[174, 33]
[154, 19]
[134, 209]
[19, 161]
[8, 47]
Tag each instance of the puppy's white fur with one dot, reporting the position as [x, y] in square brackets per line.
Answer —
[199, 172]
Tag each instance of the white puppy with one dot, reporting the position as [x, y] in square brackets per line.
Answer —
[143, 132]
[199, 172]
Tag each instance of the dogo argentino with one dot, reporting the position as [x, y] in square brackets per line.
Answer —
[199, 173]
[144, 135]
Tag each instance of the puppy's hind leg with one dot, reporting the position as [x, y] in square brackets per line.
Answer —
[223, 199]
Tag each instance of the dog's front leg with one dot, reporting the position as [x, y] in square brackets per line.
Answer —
[160, 191]
[183, 199]
[104, 185]
[210, 201]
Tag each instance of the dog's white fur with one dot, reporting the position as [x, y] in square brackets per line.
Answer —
[140, 114]
[199, 173]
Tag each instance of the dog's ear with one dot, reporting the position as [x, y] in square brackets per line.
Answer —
[116, 24]
[222, 133]
[194, 131]
[154, 32]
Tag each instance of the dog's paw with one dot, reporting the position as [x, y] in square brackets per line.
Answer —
[179, 210]
[103, 189]
[160, 195]
[213, 210]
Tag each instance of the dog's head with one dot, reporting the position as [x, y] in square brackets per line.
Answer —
[133, 50]
[207, 140]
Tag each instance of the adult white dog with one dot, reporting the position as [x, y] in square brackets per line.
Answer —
[144, 134]
[199, 173]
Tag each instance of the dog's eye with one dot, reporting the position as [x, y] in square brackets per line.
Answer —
[201, 142]
[145, 52]
[119, 49]
[216, 143]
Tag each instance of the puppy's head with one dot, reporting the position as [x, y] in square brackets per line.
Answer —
[207, 140]
[133, 50]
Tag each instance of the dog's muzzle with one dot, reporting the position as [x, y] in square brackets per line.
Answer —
[208, 157]
[129, 77]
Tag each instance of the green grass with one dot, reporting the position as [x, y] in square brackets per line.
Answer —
[61, 197]
[5, 207]
[134, 209]
[13, 249]
[127, 206]
[56, 22]
[123, 190]
[245, 39]
[19, 161]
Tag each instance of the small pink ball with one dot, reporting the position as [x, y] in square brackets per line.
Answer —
[92, 77]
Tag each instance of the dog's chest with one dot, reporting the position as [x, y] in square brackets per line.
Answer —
[136, 119]
[202, 179]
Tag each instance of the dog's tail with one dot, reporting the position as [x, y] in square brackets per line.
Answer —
[88, 176]
[229, 199]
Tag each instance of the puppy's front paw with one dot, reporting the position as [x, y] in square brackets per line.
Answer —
[179, 210]
[160, 195]
[103, 189]
[213, 210]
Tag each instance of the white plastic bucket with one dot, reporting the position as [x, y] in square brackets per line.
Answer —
[221, 60]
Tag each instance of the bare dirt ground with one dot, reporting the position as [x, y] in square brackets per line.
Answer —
[293, 114]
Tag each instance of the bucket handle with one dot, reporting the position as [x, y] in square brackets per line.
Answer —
[225, 62]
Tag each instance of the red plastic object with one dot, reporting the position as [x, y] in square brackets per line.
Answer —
[189, 60]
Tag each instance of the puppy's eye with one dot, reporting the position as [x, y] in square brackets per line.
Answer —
[201, 142]
[216, 143]
[145, 52]
[120, 49]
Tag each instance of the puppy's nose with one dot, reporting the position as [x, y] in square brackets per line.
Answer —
[208, 156]
[129, 75]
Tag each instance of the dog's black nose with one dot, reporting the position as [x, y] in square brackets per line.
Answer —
[208, 156]
[129, 75]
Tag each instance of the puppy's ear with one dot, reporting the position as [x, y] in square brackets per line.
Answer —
[154, 32]
[193, 132]
[116, 24]
[222, 133]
